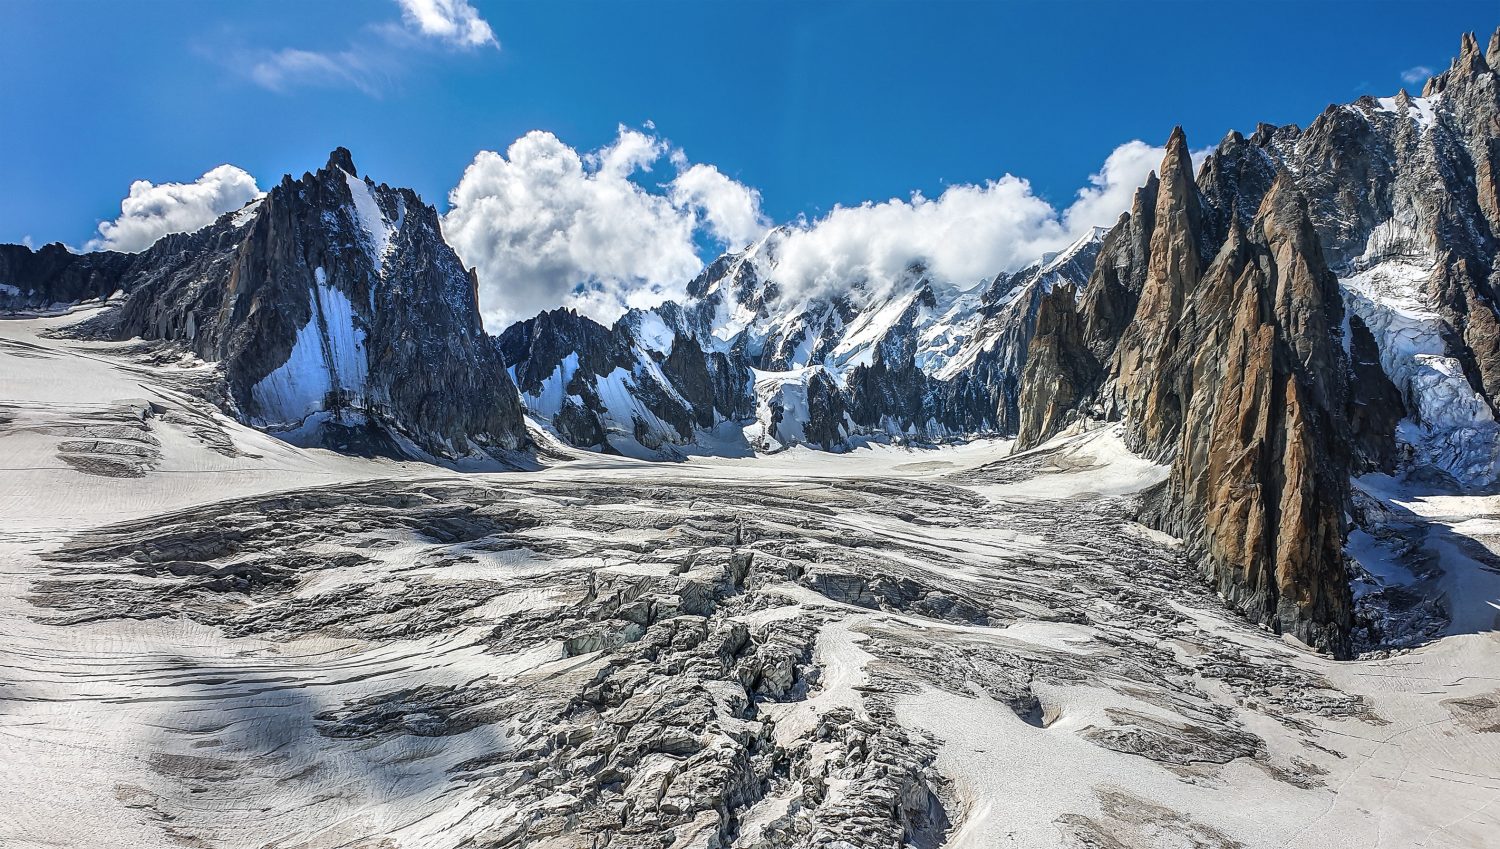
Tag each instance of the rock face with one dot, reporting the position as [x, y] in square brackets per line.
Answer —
[606, 389]
[53, 275]
[1235, 323]
[1227, 364]
[332, 307]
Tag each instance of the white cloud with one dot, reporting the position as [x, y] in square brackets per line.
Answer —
[1112, 187]
[1416, 74]
[452, 21]
[546, 225]
[969, 233]
[966, 234]
[632, 151]
[151, 211]
[731, 210]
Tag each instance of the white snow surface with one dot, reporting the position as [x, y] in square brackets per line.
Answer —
[1420, 109]
[549, 401]
[654, 334]
[245, 214]
[165, 732]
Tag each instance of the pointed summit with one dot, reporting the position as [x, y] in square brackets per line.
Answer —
[1144, 200]
[1178, 159]
[1177, 205]
[1467, 45]
[342, 159]
[1492, 55]
[1179, 190]
[1470, 59]
[1470, 62]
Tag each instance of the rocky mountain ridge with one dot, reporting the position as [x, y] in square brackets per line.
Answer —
[1234, 322]
[737, 366]
[331, 310]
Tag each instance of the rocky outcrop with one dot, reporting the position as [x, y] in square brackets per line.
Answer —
[332, 307]
[608, 389]
[1315, 304]
[1259, 482]
[1229, 367]
[55, 276]
[1153, 396]
[1060, 370]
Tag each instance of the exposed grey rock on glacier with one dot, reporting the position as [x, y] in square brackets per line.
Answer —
[670, 674]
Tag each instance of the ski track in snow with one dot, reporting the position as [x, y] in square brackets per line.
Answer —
[189, 726]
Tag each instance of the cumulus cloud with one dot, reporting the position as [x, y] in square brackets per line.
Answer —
[151, 211]
[1112, 187]
[730, 209]
[1416, 74]
[548, 226]
[967, 233]
[452, 21]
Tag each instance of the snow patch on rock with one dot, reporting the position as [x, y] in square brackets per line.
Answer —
[548, 402]
[327, 365]
[367, 211]
[245, 214]
[1451, 426]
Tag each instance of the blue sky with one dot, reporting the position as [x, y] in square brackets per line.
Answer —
[811, 104]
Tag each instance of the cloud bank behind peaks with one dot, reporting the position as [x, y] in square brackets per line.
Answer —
[151, 211]
[547, 226]
[969, 233]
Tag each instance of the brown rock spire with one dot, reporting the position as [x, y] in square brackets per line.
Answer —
[1143, 389]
